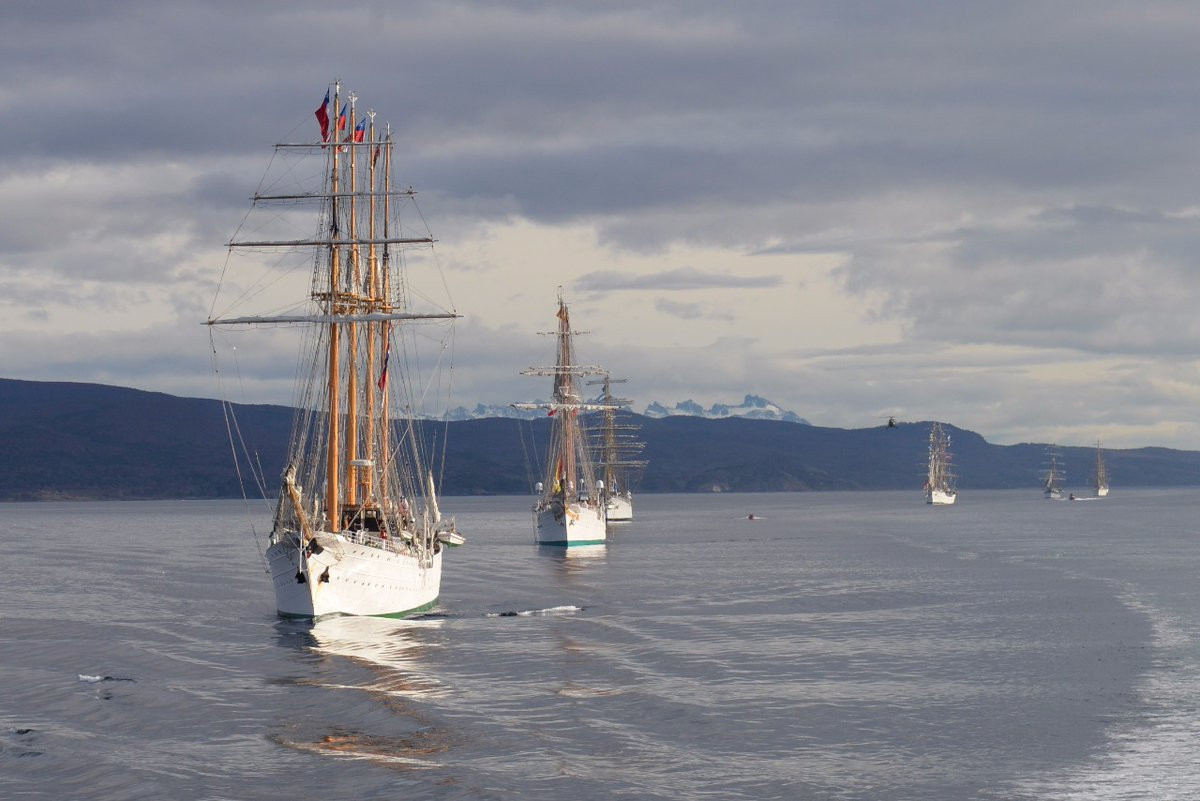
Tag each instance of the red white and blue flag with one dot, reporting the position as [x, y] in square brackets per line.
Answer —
[387, 354]
[323, 117]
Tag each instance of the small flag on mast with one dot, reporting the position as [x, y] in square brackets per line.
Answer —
[387, 354]
[323, 117]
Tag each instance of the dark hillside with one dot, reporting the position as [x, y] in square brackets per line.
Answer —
[66, 440]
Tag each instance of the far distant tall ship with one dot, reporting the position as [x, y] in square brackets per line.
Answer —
[1101, 476]
[616, 444]
[1052, 486]
[939, 484]
[570, 509]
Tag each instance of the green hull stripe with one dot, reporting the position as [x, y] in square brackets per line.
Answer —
[410, 612]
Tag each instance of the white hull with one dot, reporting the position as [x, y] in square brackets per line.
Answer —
[1054, 494]
[940, 497]
[580, 525]
[1101, 492]
[364, 577]
[620, 509]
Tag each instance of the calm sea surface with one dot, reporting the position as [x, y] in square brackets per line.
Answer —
[840, 646]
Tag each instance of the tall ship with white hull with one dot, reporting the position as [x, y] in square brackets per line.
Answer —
[615, 444]
[939, 480]
[570, 510]
[1100, 478]
[1052, 483]
[357, 529]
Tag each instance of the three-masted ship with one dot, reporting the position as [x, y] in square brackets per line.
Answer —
[940, 480]
[357, 529]
[616, 446]
[1052, 483]
[570, 509]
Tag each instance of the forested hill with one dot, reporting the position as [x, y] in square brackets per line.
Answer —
[81, 441]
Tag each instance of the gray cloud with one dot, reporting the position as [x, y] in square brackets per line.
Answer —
[671, 280]
[691, 311]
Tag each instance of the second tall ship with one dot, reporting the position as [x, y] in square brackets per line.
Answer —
[570, 509]
[616, 444]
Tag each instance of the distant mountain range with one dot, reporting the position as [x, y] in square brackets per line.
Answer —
[69, 441]
[752, 407]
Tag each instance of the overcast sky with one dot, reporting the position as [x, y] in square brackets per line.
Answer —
[981, 213]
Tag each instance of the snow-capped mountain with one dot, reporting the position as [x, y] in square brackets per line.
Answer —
[481, 410]
[752, 407]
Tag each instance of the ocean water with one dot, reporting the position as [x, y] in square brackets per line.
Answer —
[839, 646]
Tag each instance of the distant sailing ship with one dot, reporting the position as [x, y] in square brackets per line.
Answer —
[357, 529]
[570, 510]
[1100, 481]
[1052, 486]
[615, 443]
[939, 483]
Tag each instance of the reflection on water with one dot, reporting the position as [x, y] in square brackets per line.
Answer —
[390, 648]
[573, 561]
[395, 752]
[397, 679]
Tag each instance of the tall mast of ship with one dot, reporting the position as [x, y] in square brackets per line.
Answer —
[564, 392]
[332, 466]
[372, 304]
[385, 304]
[353, 282]
[352, 294]
[610, 437]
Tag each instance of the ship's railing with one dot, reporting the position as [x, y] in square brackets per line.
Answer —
[372, 539]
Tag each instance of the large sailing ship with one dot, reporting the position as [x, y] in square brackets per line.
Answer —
[570, 509]
[357, 529]
[616, 445]
[1052, 484]
[939, 481]
[1100, 478]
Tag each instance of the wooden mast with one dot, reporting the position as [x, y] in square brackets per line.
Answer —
[610, 439]
[354, 280]
[372, 304]
[385, 429]
[566, 394]
[332, 465]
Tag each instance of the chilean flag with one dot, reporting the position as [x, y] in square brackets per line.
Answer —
[387, 354]
[360, 130]
[323, 117]
[342, 118]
